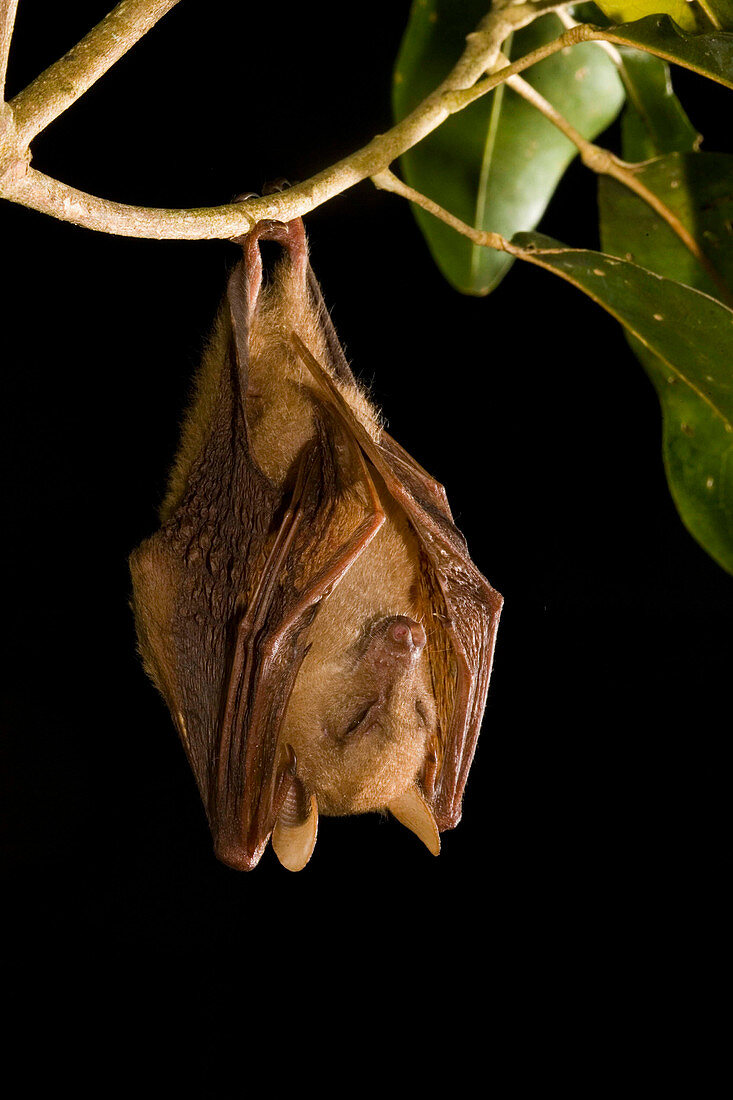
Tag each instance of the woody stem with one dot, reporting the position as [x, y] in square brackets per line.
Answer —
[62, 83]
[7, 21]
[49, 95]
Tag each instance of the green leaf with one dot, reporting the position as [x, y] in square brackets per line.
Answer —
[709, 54]
[653, 121]
[497, 163]
[624, 11]
[697, 188]
[687, 342]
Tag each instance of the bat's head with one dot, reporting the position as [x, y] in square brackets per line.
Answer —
[361, 719]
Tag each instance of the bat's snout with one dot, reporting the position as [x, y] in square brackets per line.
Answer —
[406, 634]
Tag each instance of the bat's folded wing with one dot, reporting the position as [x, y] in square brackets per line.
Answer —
[222, 624]
[471, 607]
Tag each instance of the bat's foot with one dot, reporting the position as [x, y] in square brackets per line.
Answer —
[291, 235]
[275, 186]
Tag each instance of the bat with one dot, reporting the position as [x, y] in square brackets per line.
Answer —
[308, 609]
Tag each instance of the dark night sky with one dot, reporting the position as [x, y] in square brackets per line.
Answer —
[595, 808]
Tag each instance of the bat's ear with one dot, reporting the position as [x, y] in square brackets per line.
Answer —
[296, 828]
[412, 810]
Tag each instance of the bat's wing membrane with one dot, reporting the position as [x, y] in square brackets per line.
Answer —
[325, 529]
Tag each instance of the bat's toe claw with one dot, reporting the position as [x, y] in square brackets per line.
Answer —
[276, 185]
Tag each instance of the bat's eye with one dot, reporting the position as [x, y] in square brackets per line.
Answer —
[362, 719]
[421, 711]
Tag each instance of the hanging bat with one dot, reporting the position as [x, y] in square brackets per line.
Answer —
[308, 610]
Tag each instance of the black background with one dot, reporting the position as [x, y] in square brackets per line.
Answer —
[595, 815]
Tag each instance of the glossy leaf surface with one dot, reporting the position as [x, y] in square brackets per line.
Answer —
[710, 54]
[496, 164]
[624, 11]
[697, 444]
[687, 339]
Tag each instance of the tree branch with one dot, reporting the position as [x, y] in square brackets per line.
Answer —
[62, 83]
[7, 22]
[41, 192]
[582, 32]
[52, 92]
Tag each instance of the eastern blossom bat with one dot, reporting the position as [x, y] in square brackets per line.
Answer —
[308, 609]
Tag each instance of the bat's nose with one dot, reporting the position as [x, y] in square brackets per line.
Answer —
[405, 636]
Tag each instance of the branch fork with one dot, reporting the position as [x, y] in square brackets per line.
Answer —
[480, 69]
[55, 90]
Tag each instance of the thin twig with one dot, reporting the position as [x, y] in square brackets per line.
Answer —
[7, 22]
[457, 100]
[388, 181]
[62, 83]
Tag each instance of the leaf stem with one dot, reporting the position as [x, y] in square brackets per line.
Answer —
[388, 181]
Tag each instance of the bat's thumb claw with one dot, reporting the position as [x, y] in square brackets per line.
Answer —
[296, 829]
[412, 811]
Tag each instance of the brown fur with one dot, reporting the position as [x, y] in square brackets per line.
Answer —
[346, 777]
[366, 774]
[280, 390]
[308, 608]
